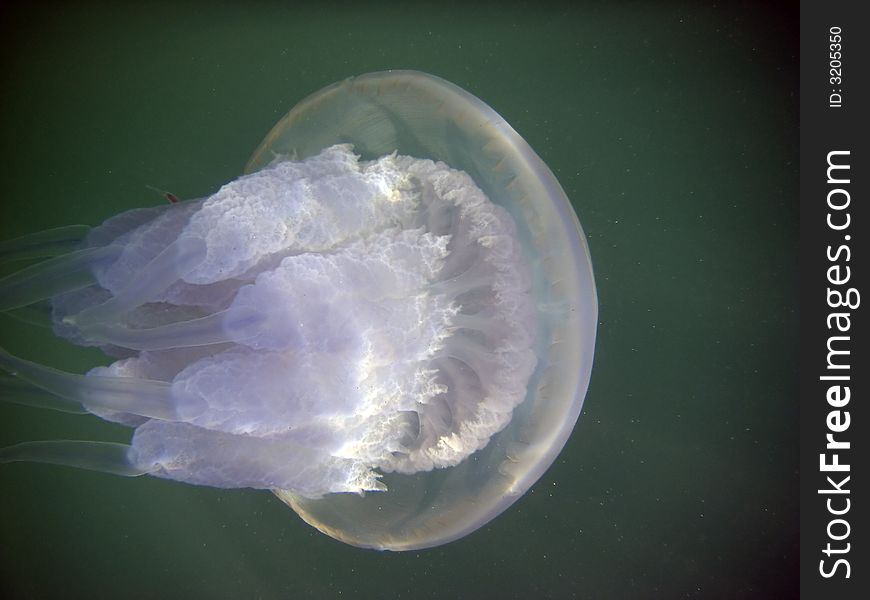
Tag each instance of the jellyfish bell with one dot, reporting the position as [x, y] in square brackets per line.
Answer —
[388, 321]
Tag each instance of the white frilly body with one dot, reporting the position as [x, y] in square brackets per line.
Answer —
[375, 315]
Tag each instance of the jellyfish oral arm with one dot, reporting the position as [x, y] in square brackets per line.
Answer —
[105, 457]
[18, 391]
[154, 399]
[166, 268]
[217, 328]
[51, 242]
[51, 277]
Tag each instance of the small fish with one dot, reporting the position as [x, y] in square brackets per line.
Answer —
[172, 198]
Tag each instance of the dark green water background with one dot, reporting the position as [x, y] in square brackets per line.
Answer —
[673, 128]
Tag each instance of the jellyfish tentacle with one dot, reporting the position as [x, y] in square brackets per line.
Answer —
[217, 328]
[145, 397]
[38, 314]
[52, 277]
[18, 391]
[49, 242]
[170, 265]
[105, 457]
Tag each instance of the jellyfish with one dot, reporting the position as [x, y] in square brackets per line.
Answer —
[388, 320]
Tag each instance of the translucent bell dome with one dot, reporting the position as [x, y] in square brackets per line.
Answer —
[420, 115]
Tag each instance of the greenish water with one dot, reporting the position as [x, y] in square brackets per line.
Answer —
[673, 128]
